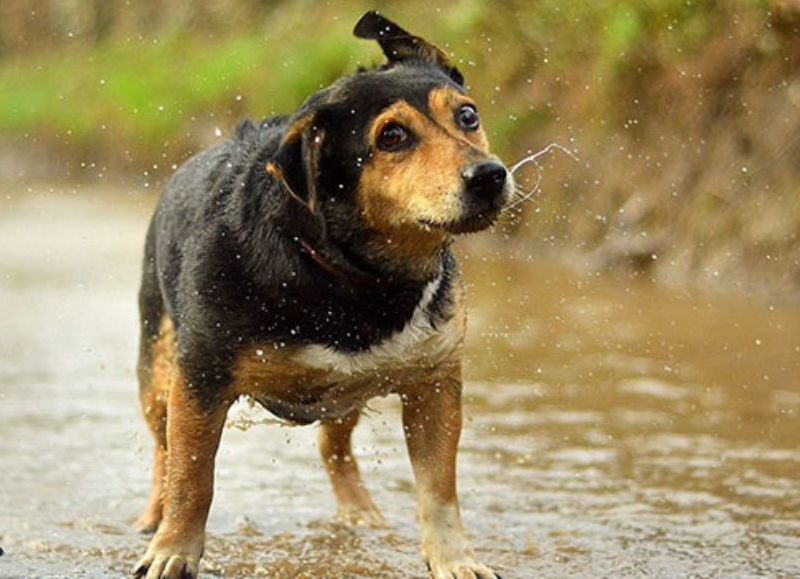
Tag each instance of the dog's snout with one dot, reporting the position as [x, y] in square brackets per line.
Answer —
[486, 179]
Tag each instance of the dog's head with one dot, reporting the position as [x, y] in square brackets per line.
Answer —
[398, 151]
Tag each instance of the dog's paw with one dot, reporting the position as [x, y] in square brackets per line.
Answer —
[454, 559]
[368, 516]
[170, 561]
[461, 569]
[167, 566]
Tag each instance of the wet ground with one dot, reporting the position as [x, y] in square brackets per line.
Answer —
[613, 428]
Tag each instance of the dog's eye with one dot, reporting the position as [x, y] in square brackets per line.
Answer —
[467, 117]
[393, 137]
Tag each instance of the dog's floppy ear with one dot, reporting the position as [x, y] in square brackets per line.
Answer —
[296, 162]
[399, 45]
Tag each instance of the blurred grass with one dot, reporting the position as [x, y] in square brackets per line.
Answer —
[146, 89]
[143, 91]
[684, 112]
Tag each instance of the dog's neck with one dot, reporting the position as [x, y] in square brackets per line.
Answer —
[406, 255]
[351, 275]
[417, 262]
[377, 263]
[361, 256]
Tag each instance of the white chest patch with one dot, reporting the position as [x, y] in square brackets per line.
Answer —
[417, 342]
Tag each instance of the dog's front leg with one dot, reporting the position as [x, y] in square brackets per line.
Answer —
[193, 434]
[432, 425]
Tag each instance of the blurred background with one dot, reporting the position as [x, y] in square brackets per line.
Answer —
[633, 357]
[685, 114]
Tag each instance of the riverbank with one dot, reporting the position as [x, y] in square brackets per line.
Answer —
[684, 116]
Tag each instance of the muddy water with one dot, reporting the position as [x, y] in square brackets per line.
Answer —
[613, 428]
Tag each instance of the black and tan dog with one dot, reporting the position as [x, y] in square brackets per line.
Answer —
[306, 263]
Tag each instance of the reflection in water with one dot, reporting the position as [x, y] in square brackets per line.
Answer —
[613, 427]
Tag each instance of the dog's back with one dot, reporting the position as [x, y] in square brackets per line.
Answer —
[189, 207]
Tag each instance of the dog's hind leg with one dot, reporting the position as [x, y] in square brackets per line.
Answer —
[354, 503]
[155, 373]
[155, 367]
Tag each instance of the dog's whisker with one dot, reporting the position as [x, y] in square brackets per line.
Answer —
[532, 158]
[527, 195]
[519, 191]
[521, 194]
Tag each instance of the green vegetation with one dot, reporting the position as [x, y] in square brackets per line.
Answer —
[684, 112]
[142, 90]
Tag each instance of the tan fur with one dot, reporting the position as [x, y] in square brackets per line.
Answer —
[400, 189]
[443, 102]
[193, 435]
[153, 397]
[161, 367]
[295, 131]
[281, 384]
[432, 425]
[354, 502]
[300, 392]
[277, 172]
[267, 369]
[432, 420]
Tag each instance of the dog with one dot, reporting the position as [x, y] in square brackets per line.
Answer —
[306, 263]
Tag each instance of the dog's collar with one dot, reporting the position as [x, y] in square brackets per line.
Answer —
[351, 276]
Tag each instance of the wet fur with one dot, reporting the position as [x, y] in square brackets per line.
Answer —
[294, 263]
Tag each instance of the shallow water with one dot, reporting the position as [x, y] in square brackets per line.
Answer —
[613, 428]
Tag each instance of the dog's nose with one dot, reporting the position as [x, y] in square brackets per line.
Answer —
[485, 179]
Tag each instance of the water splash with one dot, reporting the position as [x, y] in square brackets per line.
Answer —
[523, 196]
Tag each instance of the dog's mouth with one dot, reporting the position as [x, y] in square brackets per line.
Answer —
[471, 224]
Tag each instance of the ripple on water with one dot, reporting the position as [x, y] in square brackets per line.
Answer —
[604, 436]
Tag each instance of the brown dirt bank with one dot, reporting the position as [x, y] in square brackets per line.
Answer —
[690, 172]
[686, 121]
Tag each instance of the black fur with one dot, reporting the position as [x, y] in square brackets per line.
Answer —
[399, 45]
[223, 256]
